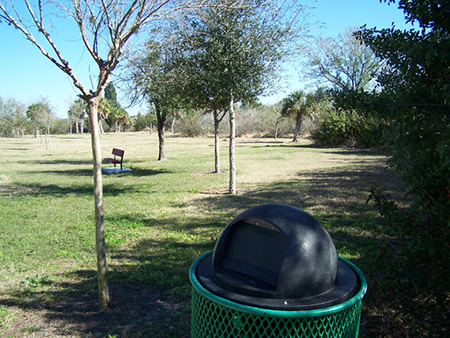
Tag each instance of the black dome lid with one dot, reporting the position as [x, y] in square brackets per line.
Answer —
[277, 255]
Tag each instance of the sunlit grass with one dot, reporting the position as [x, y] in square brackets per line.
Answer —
[163, 215]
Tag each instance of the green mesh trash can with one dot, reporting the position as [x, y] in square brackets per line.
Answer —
[275, 272]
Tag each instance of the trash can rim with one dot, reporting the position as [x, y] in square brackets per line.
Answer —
[279, 313]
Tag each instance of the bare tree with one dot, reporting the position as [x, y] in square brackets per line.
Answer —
[41, 113]
[344, 62]
[105, 28]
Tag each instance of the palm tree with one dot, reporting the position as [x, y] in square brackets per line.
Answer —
[295, 105]
[104, 108]
[76, 114]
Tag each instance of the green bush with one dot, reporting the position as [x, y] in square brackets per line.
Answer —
[349, 128]
[421, 156]
[333, 129]
[194, 124]
[142, 122]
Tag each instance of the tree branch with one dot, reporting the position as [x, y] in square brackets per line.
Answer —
[62, 63]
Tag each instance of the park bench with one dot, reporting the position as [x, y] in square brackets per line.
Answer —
[118, 157]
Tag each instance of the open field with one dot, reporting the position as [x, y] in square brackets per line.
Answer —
[159, 219]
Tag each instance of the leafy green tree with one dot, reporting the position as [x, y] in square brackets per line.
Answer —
[295, 105]
[300, 105]
[12, 118]
[33, 115]
[117, 116]
[143, 121]
[235, 48]
[110, 93]
[413, 98]
[157, 75]
[104, 109]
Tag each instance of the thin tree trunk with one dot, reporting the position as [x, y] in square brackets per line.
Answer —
[49, 141]
[100, 126]
[172, 123]
[161, 119]
[216, 142]
[232, 147]
[103, 288]
[161, 155]
[46, 141]
[298, 123]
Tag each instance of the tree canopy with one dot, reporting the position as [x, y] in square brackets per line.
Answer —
[235, 49]
[345, 62]
[413, 99]
[157, 74]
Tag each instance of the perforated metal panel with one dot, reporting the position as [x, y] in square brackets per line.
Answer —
[210, 319]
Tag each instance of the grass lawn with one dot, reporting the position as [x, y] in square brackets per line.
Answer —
[159, 218]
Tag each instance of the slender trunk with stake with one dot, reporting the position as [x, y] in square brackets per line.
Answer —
[216, 142]
[232, 146]
[49, 144]
[99, 210]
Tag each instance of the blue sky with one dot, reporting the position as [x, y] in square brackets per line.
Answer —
[26, 75]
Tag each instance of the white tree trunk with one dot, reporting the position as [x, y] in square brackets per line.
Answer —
[216, 143]
[48, 141]
[100, 126]
[232, 189]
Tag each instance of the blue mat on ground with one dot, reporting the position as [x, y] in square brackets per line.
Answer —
[114, 170]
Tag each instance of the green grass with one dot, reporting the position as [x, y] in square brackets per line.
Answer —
[160, 218]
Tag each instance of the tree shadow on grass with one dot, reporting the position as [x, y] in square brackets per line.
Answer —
[149, 289]
[332, 150]
[56, 162]
[149, 278]
[110, 185]
[71, 309]
[89, 172]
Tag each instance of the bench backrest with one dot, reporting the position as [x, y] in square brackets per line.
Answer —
[118, 152]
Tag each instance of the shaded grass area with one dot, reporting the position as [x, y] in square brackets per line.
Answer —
[160, 218]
